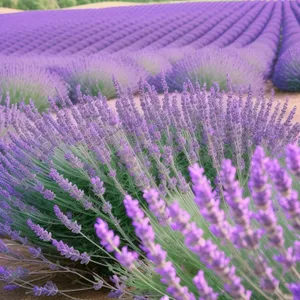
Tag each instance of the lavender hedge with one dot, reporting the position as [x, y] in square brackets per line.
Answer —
[24, 82]
[286, 74]
[60, 173]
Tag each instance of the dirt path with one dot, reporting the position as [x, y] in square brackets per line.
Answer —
[4, 10]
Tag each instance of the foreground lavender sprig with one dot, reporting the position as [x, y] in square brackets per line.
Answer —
[111, 243]
[243, 236]
[154, 251]
[49, 289]
[207, 252]
[73, 226]
[63, 248]
[293, 159]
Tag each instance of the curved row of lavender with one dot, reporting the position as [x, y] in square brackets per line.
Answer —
[287, 70]
[200, 41]
[70, 179]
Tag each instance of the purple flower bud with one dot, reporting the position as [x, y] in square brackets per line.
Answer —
[39, 231]
[97, 286]
[106, 236]
[295, 290]
[70, 252]
[293, 159]
[98, 186]
[10, 287]
[49, 195]
[74, 160]
[73, 226]
[204, 289]
[35, 252]
[268, 282]
[67, 186]
[127, 258]
[156, 205]
[49, 289]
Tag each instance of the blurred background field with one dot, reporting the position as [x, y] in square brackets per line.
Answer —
[56, 4]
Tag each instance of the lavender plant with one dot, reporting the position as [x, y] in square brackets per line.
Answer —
[58, 174]
[94, 75]
[24, 82]
[210, 65]
[286, 73]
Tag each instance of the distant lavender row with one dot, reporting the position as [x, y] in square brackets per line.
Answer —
[287, 70]
[112, 30]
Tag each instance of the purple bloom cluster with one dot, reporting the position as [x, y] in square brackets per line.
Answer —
[73, 226]
[207, 252]
[97, 186]
[154, 251]
[243, 236]
[43, 234]
[49, 289]
[208, 204]
[111, 242]
[70, 252]
[66, 185]
[265, 214]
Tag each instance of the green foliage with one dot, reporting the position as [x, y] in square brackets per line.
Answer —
[37, 4]
[81, 2]
[10, 3]
[66, 3]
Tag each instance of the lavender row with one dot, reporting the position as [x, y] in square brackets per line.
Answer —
[287, 72]
[151, 27]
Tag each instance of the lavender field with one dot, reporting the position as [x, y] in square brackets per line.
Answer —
[148, 152]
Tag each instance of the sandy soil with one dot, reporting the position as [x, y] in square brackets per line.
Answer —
[294, 99]
[4, 10]
[105, 5]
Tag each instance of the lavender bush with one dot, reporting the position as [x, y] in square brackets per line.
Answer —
[58, 174]
[24, 82]
[287, 71]
[211, 65]
[94, 75]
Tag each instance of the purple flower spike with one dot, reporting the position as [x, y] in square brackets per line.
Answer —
[295, 290]
[261, 193]
[243, 235]
[49, 289]
[73, 226]
[10, 287]
[288, 197]
[39, 231]
[208, 253]
[280, 177]
[260, 189]
[70, 252]
[293, 159]
[9, 274]
[206, 200]
[98, 186]
[66, 185]
[127, 258]
[106, 236]
[154, 252]
[157, 206]
[49, 195]
[204, 289]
